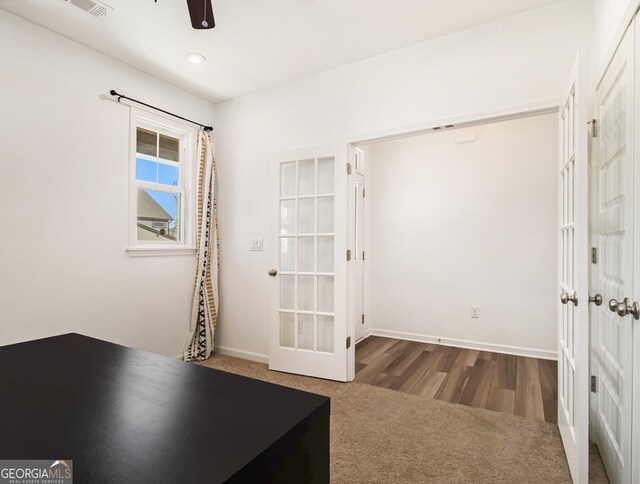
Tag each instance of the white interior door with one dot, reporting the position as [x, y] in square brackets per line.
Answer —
[308, 331]
[573, 327]
[612, 275]
[358, 255]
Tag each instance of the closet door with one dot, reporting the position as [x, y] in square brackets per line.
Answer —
[612, 274]
[573, 280]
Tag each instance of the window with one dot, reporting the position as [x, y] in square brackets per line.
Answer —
[161, 167]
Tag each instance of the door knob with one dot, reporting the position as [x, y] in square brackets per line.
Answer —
[597, 299]
[273, 273]
[565, 298]
[620, 307]
[634, 310]
[625, 307]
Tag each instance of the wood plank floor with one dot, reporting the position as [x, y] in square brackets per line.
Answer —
[504, 383]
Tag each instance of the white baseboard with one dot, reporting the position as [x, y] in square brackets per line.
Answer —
[245, 355]
[460, 343]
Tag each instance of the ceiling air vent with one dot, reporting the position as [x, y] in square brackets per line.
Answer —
[92, 7]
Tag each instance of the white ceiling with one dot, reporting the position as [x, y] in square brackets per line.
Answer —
[258, 43]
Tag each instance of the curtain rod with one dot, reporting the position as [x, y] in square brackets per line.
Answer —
[122, 96]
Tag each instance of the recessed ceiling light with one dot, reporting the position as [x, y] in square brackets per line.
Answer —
[196, 58]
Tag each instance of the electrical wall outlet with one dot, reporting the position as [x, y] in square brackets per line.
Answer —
[475, 312]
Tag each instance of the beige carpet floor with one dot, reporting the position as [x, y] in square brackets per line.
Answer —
[384, 436]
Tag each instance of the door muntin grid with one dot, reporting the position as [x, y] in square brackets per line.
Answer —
[566, 367]
[307, 241]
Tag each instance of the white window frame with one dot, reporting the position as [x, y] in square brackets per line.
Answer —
[187, 172]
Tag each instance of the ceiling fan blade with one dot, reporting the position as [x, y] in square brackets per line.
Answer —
[201, 13]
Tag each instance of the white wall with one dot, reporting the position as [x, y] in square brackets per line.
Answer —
[514, 61]
[608, 16]
[64, 168]
[454, 225]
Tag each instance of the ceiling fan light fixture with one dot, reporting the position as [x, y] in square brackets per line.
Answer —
[196, 58]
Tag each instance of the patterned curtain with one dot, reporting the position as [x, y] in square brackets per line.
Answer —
[204, 309]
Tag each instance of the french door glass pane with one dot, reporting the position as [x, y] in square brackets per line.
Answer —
[288, 179]
[325, 294]
[325, 254]
[306, 177]
[288, 330]
[325, 333]
[287, 254]
[305, 293]
[305, 331]
[305, 254]
[325, 215]
[325, 176]
[287, 292]
[287, 217]
[305, 215]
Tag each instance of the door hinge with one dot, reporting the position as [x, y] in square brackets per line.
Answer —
[348, 255]
[594, 255]
[348, 168]
[593, 128]
[363, 319]
[594, 384]
[363, 255]
[348, 342]
[363, 191]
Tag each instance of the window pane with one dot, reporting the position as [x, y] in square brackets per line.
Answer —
[157, 216]
[169, 148]
[168, 174]
[146, 142]
[146, 170]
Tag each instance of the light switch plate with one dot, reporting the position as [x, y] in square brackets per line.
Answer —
[255, 245]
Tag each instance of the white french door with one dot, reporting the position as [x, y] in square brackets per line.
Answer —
[573, 327]
[308, 330]
[612, 274]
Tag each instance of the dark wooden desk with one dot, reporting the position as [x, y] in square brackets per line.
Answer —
[125, 415]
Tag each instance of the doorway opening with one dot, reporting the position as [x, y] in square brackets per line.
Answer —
[458, 230]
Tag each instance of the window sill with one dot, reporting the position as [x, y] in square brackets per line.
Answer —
[160, 251]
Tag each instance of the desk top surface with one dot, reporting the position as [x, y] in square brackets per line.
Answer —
[122, 413]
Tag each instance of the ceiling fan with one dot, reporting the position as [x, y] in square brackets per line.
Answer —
[201, 13]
